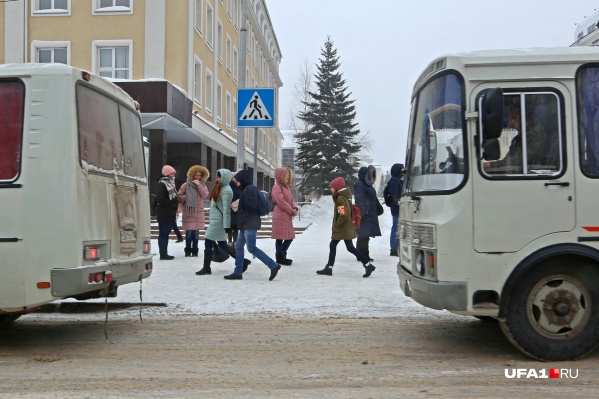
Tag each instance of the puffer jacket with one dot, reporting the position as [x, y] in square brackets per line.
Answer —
[220, 210]
[343, 229]
[194, 220]
[366, 200]
[395, 186]
[282, 223]
[248, 203]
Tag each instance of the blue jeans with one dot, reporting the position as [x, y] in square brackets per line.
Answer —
[393, 239]
[281, 246]
[164, 230]
[350, 248]
[249, 237]
[191, 238]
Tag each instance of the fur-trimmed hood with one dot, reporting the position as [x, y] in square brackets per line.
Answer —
[280, 172]
[367, 174]
[198, 168]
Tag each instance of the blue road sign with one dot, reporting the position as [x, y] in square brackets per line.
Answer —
[256, 107]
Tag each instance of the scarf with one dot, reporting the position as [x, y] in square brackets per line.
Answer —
[191, 197]
[169, 182]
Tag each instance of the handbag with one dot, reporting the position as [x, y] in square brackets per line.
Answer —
[379, 209]
[219, 255]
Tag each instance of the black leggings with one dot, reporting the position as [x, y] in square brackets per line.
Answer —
[350, 248]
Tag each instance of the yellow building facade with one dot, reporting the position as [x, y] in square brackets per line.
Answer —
[180, 59]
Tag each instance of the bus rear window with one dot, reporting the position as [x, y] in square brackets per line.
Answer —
[12, 95]
[110, 139]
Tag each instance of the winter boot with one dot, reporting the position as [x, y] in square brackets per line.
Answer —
[207, 260]
[394, 253]
[281, 259]
[274, 271]
[194, 252]
[187, 252]
[233, 276]
[166, 256]
[287, 259]
[246, 263]
[369, 269]
[327, 271]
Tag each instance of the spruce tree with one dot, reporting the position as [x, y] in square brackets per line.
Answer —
[328, 147]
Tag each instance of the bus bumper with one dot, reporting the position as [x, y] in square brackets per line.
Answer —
[76, 281]
[432, 294]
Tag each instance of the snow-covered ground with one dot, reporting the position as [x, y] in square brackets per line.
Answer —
[297, 290]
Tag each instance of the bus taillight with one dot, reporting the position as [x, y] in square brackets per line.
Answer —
[90, 253]
[146, 246]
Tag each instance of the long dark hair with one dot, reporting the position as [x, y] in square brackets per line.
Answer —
[215, 192]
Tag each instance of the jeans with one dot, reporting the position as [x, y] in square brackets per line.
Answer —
[249, 236]
[350, 248]
[191, 238]
[393, 239]
[281, 246]
[164, 230]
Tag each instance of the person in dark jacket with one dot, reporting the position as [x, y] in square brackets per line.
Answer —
[249, 223]
[395, 187]
[343, 229]
[166, 211]
[367, 201]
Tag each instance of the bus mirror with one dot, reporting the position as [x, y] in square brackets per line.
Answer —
[492, 113]
[491, 151]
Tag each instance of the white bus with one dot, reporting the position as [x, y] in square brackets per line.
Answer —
[499, 218]
[74, 204]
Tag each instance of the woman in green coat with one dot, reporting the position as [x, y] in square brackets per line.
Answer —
[343, 229]
[220, 220]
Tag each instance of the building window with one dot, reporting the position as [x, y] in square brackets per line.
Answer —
[228, 54]
[44, 52]
[219, 41]
[199, 14]
[51, 7]
[209, 25]
[228, 110]
[209, 91]
[234, 121]
[235, 64]
[113, 6]
[236, 14]
[219, 101]
[113, 59]
[197, 82]
[229, 9]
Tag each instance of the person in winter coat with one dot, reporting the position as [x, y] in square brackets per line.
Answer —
[249, 224]
[395, 187]
[343, 229]
[285, 210]
[233, 232]
[191, 195]
[220, 220]
[367, 201]
[166, 209]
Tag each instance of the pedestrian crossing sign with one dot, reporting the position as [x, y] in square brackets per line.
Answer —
[256, 107]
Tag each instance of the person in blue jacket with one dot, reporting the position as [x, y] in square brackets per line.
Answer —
[394, 188]
[366, 199]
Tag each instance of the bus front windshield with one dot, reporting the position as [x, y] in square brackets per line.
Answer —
[436, 140]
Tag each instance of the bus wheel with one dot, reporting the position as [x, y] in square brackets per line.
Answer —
[8, 318]
[552, 312]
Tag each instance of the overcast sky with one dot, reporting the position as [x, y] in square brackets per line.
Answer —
[384, 45]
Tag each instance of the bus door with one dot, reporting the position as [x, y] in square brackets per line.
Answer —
[524, 186]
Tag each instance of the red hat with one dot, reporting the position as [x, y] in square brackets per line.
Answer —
[337, 183]
[167, 170]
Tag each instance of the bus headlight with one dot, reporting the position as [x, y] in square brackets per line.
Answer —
[420, 263]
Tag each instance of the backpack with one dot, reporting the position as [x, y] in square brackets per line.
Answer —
[269, 201]
[262, 208]
[387, 196]
[356, 215]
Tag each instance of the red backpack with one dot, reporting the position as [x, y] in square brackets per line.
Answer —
[356, 215]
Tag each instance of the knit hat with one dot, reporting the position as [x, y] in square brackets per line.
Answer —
[337, 183]
[167, 170]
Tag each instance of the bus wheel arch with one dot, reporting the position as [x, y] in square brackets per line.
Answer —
[549, 307]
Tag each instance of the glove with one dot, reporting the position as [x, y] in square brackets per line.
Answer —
[294, 212]
[228, 230]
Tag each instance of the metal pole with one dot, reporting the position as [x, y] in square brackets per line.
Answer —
[256, 156]
[242, 62]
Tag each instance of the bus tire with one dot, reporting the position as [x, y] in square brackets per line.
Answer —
[8, 318]
[552, 312]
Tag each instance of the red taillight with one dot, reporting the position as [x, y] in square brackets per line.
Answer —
[98, 278]
[90, 253]
[148, 266]
[85, 76]
[108, 277]
[146, 247]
